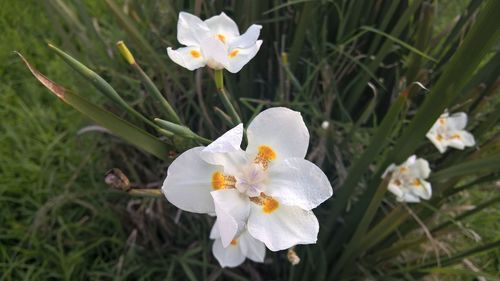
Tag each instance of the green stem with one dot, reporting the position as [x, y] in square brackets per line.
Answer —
[219, 83]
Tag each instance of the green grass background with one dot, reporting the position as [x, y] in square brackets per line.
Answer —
[58, 220]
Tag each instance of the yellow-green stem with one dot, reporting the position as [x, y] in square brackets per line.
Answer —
[219, 83]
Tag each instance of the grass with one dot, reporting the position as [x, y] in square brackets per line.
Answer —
[60, 221]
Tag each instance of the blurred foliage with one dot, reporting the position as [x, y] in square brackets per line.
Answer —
[351, 63]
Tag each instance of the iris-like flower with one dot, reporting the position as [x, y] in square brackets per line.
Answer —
[242, 247]
[215, 42]
[269, 188]
[407, 180]
[449, 131]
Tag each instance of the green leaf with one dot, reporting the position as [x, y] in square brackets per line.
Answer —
[115, 124]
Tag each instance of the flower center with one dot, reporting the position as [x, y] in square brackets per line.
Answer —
[251, 180]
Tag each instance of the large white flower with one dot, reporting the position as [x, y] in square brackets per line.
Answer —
[449, 131]
[215, 42]
[269, 188]
[407, 180]
[241, 247]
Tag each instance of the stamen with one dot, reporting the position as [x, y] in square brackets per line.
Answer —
[265, 155]
[233, 53]
[221, 37]
[195, 54]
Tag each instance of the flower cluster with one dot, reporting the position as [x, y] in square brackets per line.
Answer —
[407, 181]
[263, 194]
[215, 42]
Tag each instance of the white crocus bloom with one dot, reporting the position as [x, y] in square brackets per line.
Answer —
[241, 247]
[449, 131]
[215, 42]
[407, 180]
[269, 188]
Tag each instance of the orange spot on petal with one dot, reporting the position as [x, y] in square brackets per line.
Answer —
[233, 53]
[269, 205]
[195, 54]
[234, 242]
[218, 180]
[222, 38]
[416, 183]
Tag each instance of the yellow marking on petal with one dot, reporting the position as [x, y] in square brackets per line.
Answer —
[397, 182]
[265, 155]
[195, 54]
[233, 53]
[269, 205]
[403, 169]
[442, 121]
[439, 137]
[234, 242]
[416, 183]
[221, 37]
[218, 180]
[456, 136]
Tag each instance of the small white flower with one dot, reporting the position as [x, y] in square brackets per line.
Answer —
[215, 42]
[241, 247]
[449, 131]
[407, 180]
[269, 188]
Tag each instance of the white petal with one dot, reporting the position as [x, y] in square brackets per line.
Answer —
[226, 151]
[232, 209]
[188, 57]
[419, 169]
[191, 30]
[423, 190]
[251, 247]
[395, 189]
[188, 183]
[298, 182]
[230, 256]
[408, 197]
[456, 121]
[224, 25]
[248, 39]
[388, 170]
[461, 139]
[238, 57]
[215, 53]
[281, 129]
[440, 144]
[284, 227]
[215, 232]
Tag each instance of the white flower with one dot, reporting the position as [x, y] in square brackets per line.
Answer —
[215, 42]
[269, 188]
[449, 131]
[407, 180]
[241, 247]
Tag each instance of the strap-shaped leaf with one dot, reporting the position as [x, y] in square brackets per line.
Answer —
[115, 124]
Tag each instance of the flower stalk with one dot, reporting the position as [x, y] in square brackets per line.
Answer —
[219, 83]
